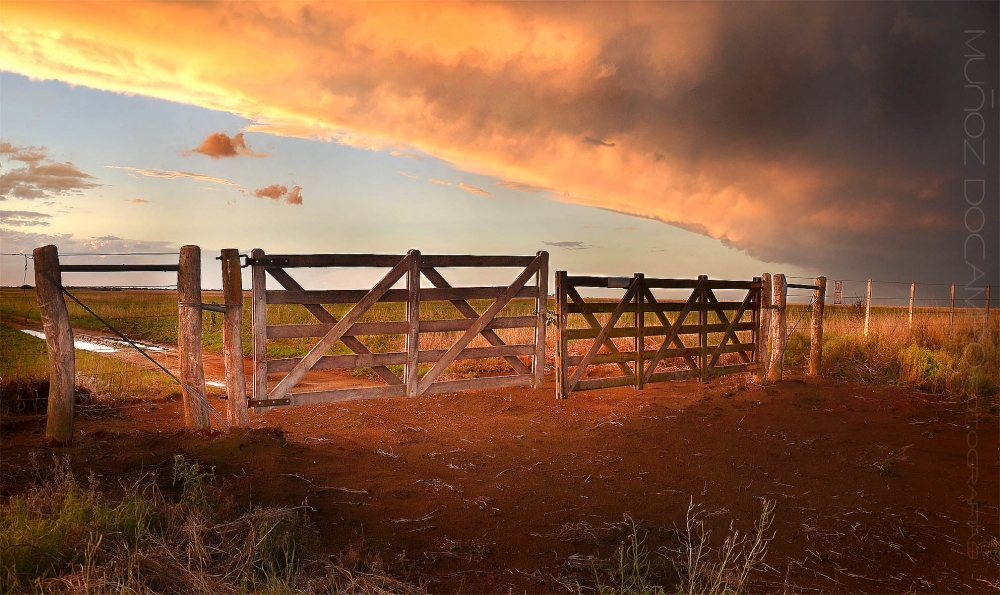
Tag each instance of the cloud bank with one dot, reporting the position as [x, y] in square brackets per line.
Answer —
[826, 135]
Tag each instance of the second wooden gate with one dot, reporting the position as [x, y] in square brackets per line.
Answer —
[651, 347]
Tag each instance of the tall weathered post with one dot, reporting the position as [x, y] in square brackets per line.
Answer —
[913, 291]
[868, 307]
[538, 362]
[778, 328]
[561, 342]
[189, 338]
[951, 312]
[59, 338]
[987, 304]
[232, 339]
[816, 340]
[764, 332]
[838, 290]
[410, 378]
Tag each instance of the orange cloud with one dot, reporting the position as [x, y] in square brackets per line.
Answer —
[220, 144]
[279, 192]
[670, 111]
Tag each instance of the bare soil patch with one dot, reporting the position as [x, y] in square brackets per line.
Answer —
[512, 490]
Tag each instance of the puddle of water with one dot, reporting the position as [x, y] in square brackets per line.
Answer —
[83, 345]
[99, 347]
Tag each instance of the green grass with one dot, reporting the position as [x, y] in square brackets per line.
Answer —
[24, 358]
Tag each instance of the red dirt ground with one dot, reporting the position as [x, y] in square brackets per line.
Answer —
[480, 492]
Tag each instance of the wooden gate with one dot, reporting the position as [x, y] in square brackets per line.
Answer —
[348, 330]
[651, 347]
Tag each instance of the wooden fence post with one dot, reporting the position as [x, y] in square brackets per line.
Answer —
[778, 328]
[987, 304]
[816, 341]
[868, 307]
[703, 323]
[561, 341]
[913, 291]
[764, 328]
[538, 362]
[640, 329]
[258, 313]
[951, 313]
[838, 291]
[410, 369]
[232, 339]
[59, 338]
[189, 338]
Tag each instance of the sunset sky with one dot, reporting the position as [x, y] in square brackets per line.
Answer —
[674, 139]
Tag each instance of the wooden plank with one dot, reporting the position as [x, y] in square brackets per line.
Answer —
[349, 362]
[288, 261]
[486, 383]
[596, 326]
[347, 394]
[472, 316]
[324, 316]
[561, 341]
[413, 321]
[654, 331]
[602, 336]
[652, 283]
[541, 311]
[600, 282]
[432, 294]
[258, 314]
[592, 383]
[189, 339]
[655, 360]
[390, 260]
[605, 358]
[674, 375]
[480, 324]
[703, 321]
[466, 260]
[296, 331]
[232, 339]
[117, 268]
[59, 339]
[764, 330]
[640, 327]
[285, 385]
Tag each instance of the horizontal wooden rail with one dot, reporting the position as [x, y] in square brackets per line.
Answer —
[297, 331]
[385, 260]
[654, 331]
[350, 296]
[118, 268]
[367, 360]
[605, 307]
[801, 286]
